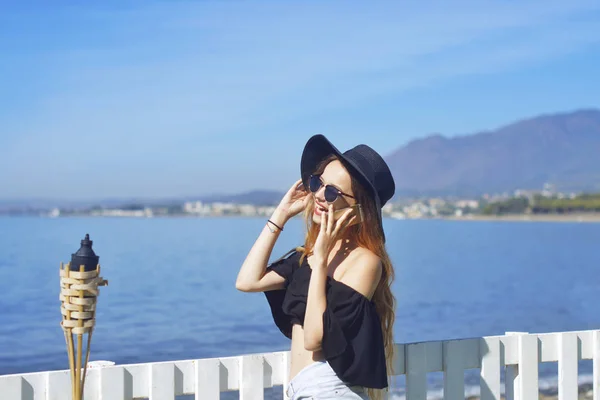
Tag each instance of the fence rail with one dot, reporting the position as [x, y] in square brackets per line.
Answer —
[520, 353]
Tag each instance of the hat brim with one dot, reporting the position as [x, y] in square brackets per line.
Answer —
[318, 148]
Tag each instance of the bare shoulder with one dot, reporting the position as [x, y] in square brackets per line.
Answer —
[363, 271]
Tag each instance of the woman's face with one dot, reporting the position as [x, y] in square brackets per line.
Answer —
[336, 175]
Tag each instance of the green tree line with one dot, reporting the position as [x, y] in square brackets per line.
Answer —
[544, 205]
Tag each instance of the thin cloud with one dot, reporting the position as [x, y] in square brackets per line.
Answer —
[250, 59]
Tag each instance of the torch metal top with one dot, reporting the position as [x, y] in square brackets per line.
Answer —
[84, 256]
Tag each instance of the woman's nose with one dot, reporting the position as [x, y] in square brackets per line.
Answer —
[320, 194]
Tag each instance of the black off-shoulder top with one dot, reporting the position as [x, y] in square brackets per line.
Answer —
[352, 336]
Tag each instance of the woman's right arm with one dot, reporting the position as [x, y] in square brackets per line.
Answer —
[253, 276]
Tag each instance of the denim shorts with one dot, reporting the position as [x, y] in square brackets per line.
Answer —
[318, 381]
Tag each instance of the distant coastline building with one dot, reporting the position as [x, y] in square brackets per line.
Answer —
[196, 207]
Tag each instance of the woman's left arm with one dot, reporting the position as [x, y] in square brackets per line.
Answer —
[363, 278]
[315, 306]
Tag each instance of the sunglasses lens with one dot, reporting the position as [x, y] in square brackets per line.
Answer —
[314, 184]
[330, 194]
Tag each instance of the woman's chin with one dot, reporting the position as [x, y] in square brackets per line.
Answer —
[316, 218]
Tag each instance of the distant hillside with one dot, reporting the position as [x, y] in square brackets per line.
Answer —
[257, 197]
[562, 149]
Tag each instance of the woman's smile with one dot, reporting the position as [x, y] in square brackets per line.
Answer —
[319, 208]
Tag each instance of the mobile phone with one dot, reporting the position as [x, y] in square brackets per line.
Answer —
[357, 211]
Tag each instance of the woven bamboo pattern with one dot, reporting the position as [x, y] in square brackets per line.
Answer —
[78, 296]
[78, 293]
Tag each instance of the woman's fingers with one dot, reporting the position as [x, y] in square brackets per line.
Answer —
[298, 189]
[295, 187]
[330, 218]
[306, 199]
[343, 221]
[298, 185]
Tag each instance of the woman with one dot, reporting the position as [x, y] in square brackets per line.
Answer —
[332, 296]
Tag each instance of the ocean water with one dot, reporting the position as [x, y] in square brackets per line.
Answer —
[171, 291]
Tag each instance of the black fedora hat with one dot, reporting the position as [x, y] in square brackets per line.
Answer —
[363, 163]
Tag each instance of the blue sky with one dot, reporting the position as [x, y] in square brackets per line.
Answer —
[161, 99]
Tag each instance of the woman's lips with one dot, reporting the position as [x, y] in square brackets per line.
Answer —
[319, 209]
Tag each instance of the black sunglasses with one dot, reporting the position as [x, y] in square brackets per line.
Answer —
[331, 192]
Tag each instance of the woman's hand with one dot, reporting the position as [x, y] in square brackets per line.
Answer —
[294, 201]
[329, 234]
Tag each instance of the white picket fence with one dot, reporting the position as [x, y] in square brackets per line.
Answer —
[250, 374]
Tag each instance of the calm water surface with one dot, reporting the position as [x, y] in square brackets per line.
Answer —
[171, 291]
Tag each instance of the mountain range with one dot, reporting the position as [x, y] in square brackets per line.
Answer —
[560, 149]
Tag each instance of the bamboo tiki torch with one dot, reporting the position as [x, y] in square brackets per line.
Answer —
[79, 281]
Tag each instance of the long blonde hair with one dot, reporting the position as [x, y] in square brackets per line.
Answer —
[369, 236]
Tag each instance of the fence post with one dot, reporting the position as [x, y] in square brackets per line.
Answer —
[596, 365]
[251, 379]
[513, 382]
